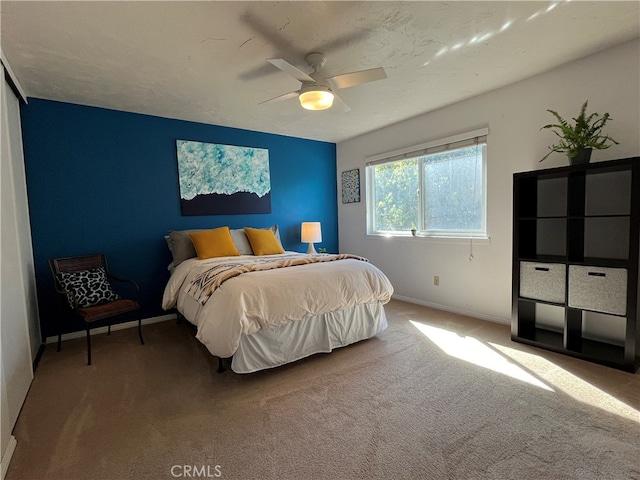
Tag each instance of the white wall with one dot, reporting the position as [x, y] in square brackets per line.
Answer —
[610, 80]
[19, 323]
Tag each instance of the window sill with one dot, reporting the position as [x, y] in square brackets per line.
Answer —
[434, 239]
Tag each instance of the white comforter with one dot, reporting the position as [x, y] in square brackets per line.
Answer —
[257, 300]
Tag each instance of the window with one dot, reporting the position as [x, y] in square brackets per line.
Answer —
[438, 188]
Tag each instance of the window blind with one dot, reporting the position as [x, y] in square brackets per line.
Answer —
[469, 139]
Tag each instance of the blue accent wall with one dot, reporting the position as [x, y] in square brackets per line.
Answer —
[106, 181]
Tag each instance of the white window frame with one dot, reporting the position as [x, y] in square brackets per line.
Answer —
[453, 142]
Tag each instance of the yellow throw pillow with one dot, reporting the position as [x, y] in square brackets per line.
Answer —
[263, 241]
[214, 243]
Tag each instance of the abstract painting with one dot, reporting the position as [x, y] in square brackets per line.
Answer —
[223, 179]
[351, 186]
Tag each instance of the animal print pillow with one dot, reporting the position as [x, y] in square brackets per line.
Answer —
[90, 287]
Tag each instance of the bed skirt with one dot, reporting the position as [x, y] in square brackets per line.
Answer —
[276, 346]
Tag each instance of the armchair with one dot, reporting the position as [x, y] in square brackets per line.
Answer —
[83, 285]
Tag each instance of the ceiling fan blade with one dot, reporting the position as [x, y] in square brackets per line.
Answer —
[279, 98]
[347, 80]
[286, 67]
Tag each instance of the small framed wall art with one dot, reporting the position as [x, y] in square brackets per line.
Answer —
[351, 186]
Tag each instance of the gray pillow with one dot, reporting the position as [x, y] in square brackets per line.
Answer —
[181, 246]
[241, 241]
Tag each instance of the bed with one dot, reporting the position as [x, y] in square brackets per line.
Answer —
[264, 311]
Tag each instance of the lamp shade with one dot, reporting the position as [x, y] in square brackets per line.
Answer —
[316, 99]
[311, 232]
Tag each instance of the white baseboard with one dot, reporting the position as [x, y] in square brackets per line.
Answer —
[119, 326]
[6, 456]
[446, 308]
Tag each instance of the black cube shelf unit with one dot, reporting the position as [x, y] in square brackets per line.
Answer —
[576, 234]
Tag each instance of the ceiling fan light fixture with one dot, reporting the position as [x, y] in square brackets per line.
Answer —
[316, 99]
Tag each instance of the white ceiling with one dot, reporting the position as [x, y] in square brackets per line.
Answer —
[206, 61]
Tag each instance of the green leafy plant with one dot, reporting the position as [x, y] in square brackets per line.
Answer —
[586, 133]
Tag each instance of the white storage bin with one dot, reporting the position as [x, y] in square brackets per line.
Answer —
[600, 289]
[543, 281]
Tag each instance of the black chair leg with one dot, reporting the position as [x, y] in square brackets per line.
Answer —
[60, 309]
[88, 346]
[109, 328]
[140, 329]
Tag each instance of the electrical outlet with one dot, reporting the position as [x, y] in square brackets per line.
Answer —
[436, 280]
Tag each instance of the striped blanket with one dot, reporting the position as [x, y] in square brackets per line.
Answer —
[207, 282]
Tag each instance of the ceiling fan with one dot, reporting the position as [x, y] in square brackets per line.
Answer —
[318, 92]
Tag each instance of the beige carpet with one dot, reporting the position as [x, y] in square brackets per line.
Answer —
[408, 404]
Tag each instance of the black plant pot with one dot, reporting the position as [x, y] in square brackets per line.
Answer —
[582, 158]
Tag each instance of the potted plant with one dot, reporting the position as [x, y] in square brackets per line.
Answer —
[413, 230]
[577, 141]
